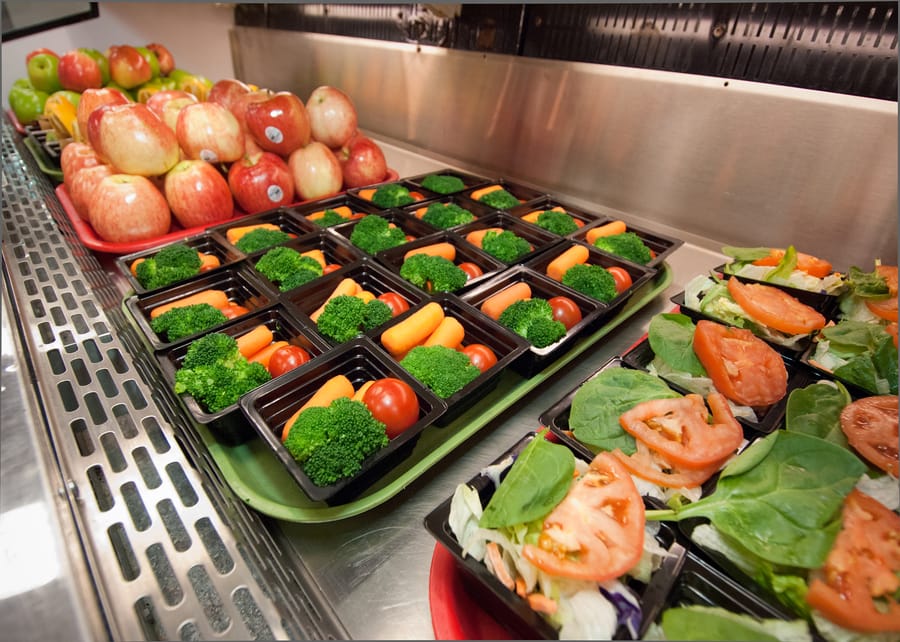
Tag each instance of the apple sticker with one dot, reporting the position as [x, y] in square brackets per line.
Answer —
[209, 156]
[274, 134]
[275, 193]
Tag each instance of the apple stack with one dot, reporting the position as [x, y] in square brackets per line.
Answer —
[175, 156]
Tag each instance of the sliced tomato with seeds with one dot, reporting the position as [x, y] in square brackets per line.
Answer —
[857, 586]
[870, 425]
[812, 265]
[677, 428]
[775, 308]
[653, 467]
[596, 532]
[743, 367]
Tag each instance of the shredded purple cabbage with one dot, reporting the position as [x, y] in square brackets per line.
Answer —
[629, 613]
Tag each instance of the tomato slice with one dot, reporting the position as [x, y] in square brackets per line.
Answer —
[775, 308]
[885, 309]
[808, 263]
[653, 467]
[743, 367]
[871, 428]
[596, 532]
[889, 274]
[678, 429]
[891, 329]
[863, 565]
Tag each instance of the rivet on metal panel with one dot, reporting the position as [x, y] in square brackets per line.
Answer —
[719, 30]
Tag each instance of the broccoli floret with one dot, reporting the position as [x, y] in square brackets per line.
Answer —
[373, 234]
[307, 433]
[444, 370]
[289, 268]
[392, 195]
[628, 245]
[444, 215]
[216, 374]
[171, 264]
[443, 184]
[557, 222]
[533, 319]
[351, 435]
[181, 322]
[500, 199]
[329, 217]
[260, 239]
[433, 273]
[506, 246]
[593, 280]
[344, 317]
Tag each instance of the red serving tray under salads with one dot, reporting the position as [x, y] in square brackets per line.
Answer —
[88, 236]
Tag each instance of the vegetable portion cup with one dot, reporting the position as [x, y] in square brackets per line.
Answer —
[205, 243]
[342, 204]
[364, 194]
[282, 218]
[285, 326]
[533, 209]
[660, 245]
[240, 284]
[410, 225]
[469, 180]
[270, 406]
[539, 238]
[476, 209]
[523, 193]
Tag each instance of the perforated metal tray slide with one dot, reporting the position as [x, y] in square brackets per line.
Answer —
[171, 551]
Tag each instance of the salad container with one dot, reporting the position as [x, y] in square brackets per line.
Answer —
[523, 193]
[281, 217]
[660, 244]
[540, 239]
[407, 222]
[469, 180]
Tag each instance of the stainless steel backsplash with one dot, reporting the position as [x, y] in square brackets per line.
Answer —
[728, 161]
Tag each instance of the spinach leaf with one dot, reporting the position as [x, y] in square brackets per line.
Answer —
[784, 507]
[849, 338]
[596, 406]
[697, 622]
[876, 371]
[536, 482]
[786, 265]
[816, 410]
[671, 337]
[867, 285]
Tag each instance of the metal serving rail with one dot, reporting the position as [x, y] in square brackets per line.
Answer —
[150, 540]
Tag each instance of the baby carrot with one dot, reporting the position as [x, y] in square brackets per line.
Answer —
[561, 264]
[208, 261]
[477, 194]
[252, 342]
[343, 210]
[475, 237]
[413, 330]
[346, 286]
[446, 250]
[450, 334]
[134, 265]
[334, 388]
[494, 305]
[263, 356]
[607, 229]
[234, 234]
[216, 298]
[367, 193]
[316, 254]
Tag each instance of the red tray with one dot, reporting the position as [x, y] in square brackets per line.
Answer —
[88, 236]
[15, 122]
[455, 615]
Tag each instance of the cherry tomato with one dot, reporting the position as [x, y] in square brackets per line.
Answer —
[472, 271]
[410, 237]
[234, 310]
[621, 277]
[395, 302]
[565, 310]
[330, 267]
[393, 402]
[481, 356]
[286, 359]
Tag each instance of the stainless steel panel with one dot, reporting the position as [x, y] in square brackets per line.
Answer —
[735, 162]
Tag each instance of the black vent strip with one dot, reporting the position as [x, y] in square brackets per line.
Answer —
[95, 421]
[843, 47]
[217, 522]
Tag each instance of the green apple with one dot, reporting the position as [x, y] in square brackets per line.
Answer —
[23, 82]
[27, 103]
[101, 60]
[150, 87]
[43, 72]
[151, 58]
[72, 96]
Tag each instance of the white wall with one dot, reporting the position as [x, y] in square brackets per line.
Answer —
[195, 32]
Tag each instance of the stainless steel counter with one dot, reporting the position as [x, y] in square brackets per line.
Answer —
[127, 565]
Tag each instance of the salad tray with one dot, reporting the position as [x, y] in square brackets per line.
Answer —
[256, 476]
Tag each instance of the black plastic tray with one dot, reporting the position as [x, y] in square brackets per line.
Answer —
[540, 239]
[406, 222]
[268, 408]
[469, 180]
[357, 207]
[476, 209]
[661, 244]
[524, 193]
[281, 216]
[549, 202]
[425, 194]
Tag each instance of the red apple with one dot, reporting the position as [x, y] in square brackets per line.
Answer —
[332, 117]
[75, 157]
[168, 103]
[38, 52]
[261, 182]
[125, 208]
[279, 124]
[198, 194]
[82, 186]
[128, 68]
[79, 71]
[90, 100]
[226, 91]
[164, 57]
[133, 139]
[316, 171]
[362, 162]
[207, 131]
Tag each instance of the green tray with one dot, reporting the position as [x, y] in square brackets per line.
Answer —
[259, 479]
[43, 162]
